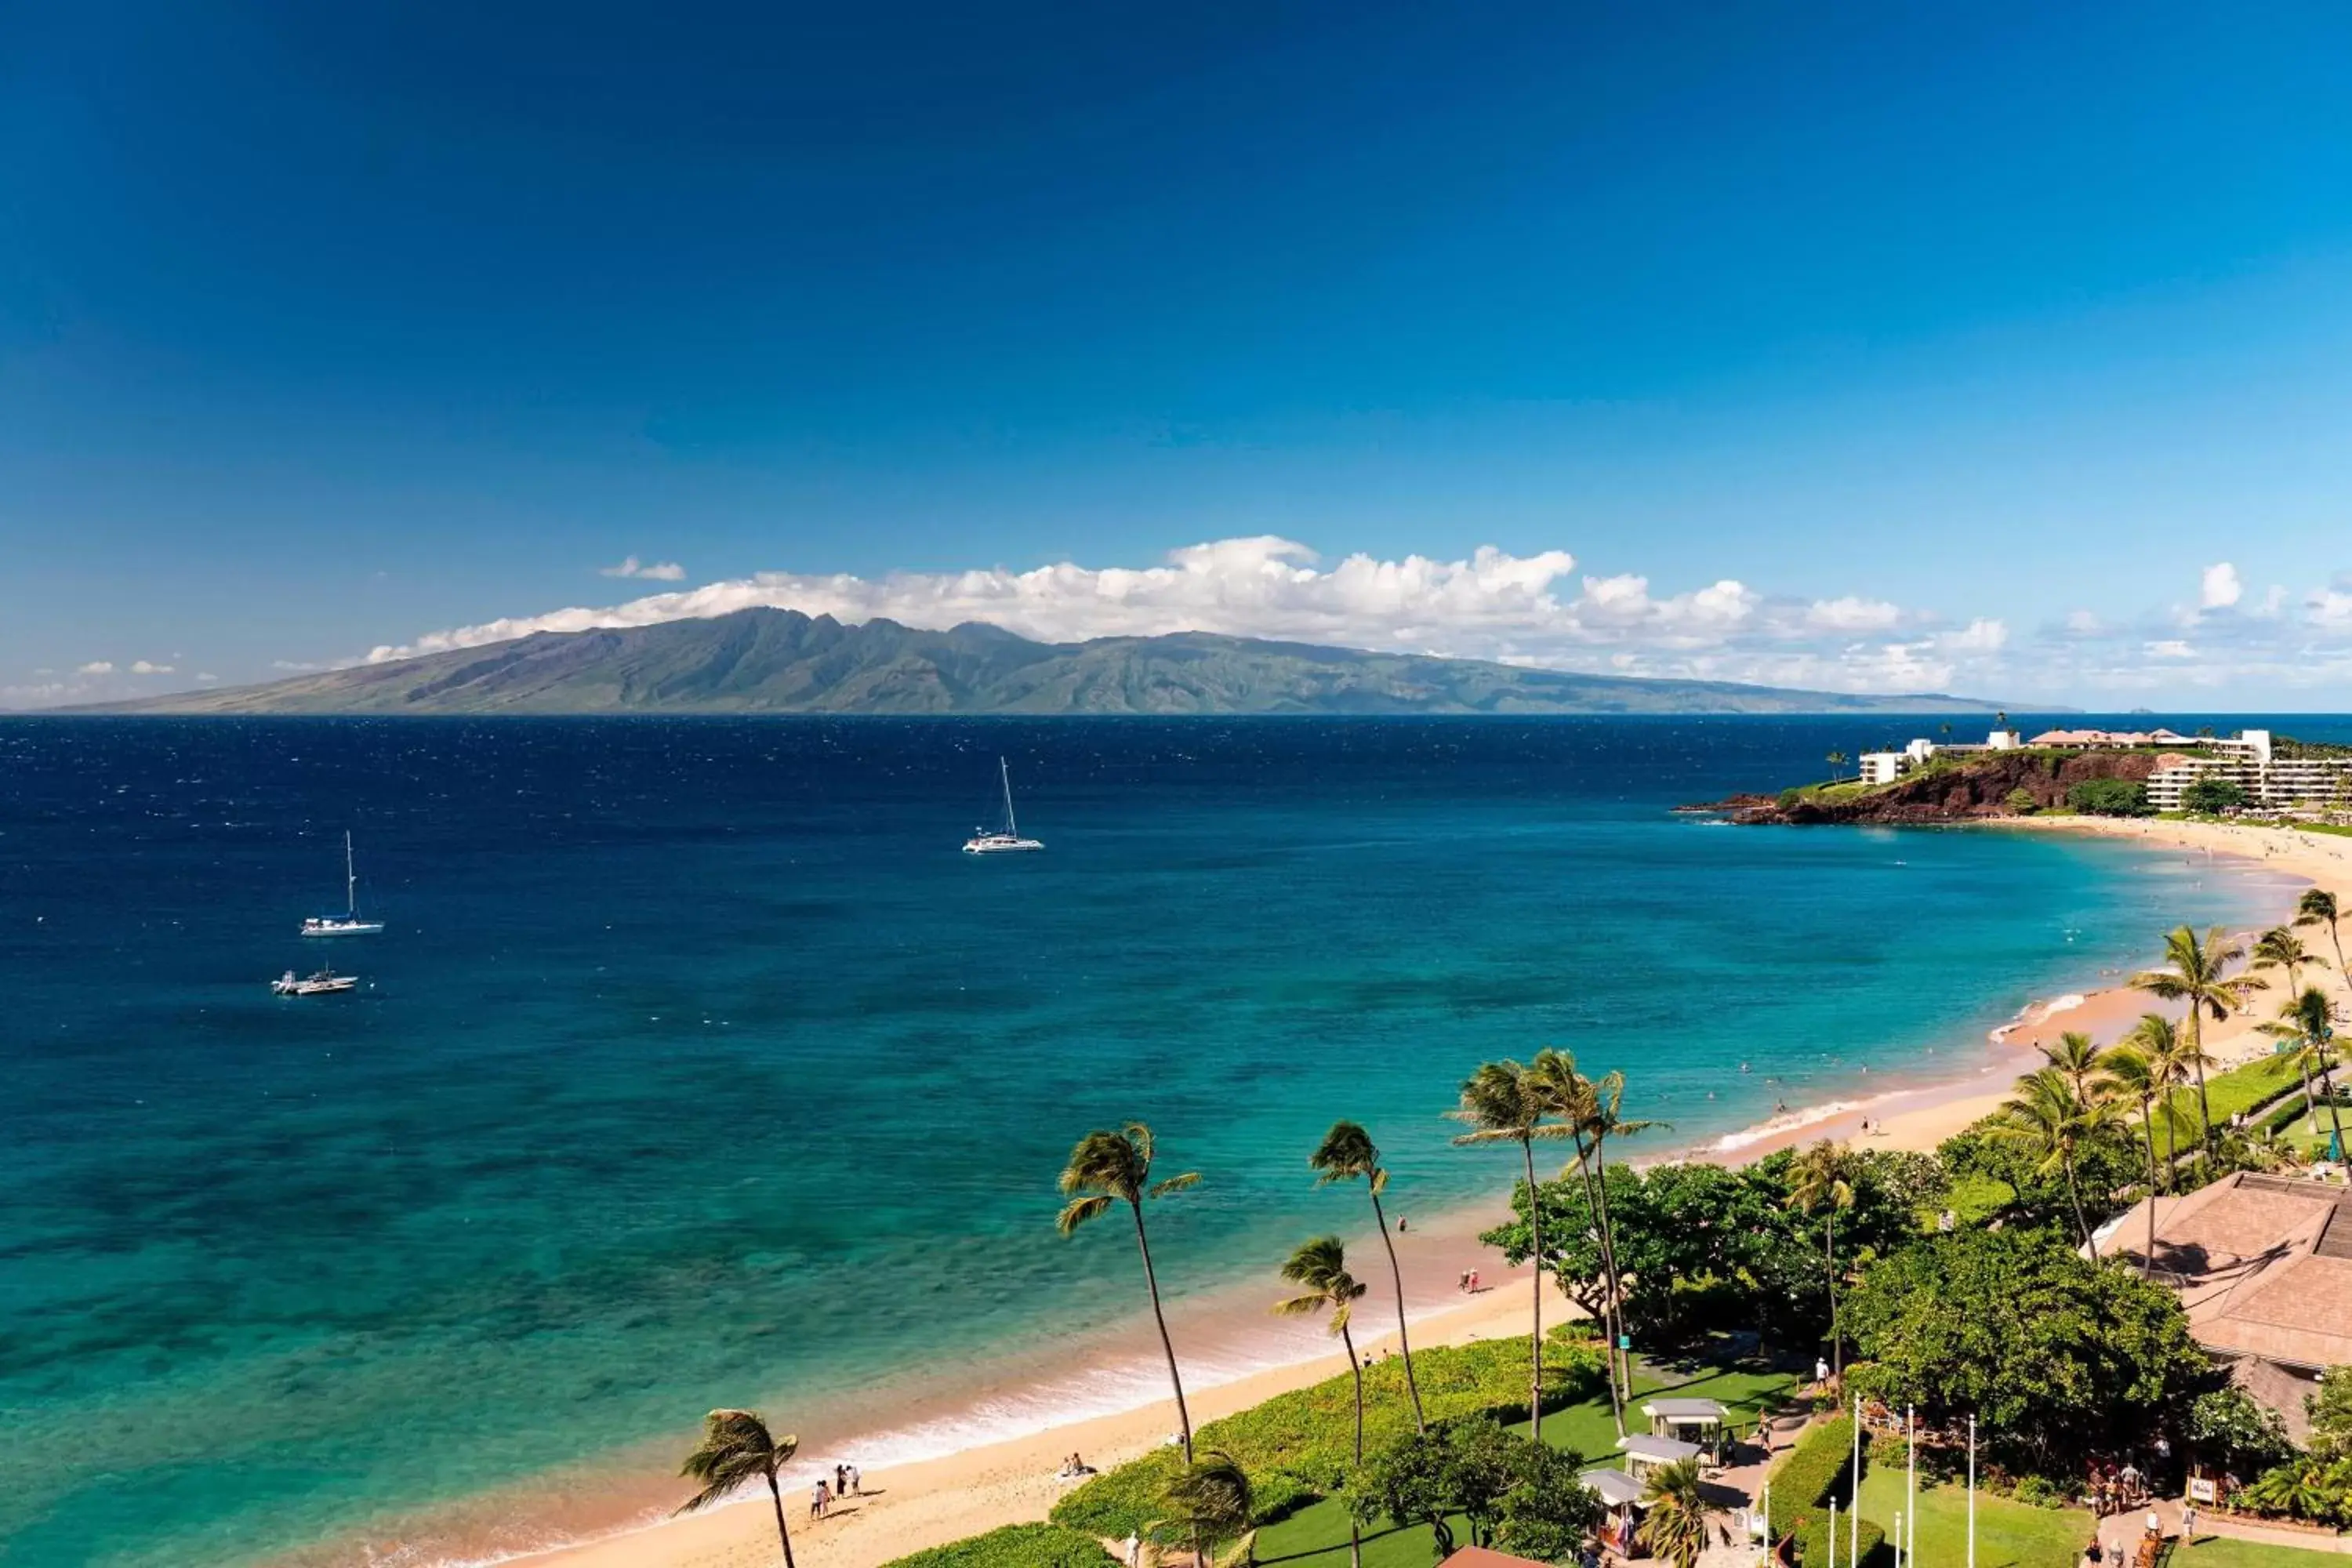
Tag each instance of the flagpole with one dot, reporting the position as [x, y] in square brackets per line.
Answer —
[1911, 1479]
[1972, 1481]
[1832, 1532]
[1853, 1504]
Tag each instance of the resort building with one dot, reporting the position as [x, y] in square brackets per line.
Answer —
[2264, 1266]
[1885, 767]
[2114, 740]
[1880, 767]
[2250, 761]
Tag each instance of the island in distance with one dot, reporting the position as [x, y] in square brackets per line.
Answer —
[781, 661]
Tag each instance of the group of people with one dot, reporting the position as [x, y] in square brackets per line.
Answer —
[1074, 1468]
[1468, 1283]
[2117, 1488]
[847, 1482]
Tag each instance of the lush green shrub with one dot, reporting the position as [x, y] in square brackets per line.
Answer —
[1301, 1445]
[1819, 1467]
[2019, 799]
[2109, 797]
[2038, 1492]
[1855, 1544]
[1014, 1546]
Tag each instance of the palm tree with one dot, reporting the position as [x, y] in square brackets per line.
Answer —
[2304, 1025]
[737, 1446]
[2051, 1120]
[1823, 1177]
[2127, 1074]
[2170, 1065]
[1674, 1526]
[2196, 971]
[1501, 1106]
[2280, 948]
[2317, 907]
[1837, 760]
[1211, 1500]
[1321, 1265]
[1116, 1167]
[2076, 1057]
[1575, 1101]
[1594, 1119]
[1346, 1153]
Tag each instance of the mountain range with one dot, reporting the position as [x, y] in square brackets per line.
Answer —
[781, 661]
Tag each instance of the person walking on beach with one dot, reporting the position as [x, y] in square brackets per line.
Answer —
[817, 1500]
[1132, 1553]
[857, 1483]
[841, 1481]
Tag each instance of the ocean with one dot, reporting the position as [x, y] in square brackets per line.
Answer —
[697, 1066]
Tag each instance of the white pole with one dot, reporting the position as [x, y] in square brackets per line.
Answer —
[1898, 1537]
[1911, 1477]
[1832, 1532]
[1853, 1509]
[1972, 1479]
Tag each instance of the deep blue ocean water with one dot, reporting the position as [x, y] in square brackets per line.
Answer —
[698, 1066]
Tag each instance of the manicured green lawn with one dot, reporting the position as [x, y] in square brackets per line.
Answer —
[2216, 1551]
[2008, 1534]
[1317, 1535]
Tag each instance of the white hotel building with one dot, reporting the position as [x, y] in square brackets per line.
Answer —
[2246, 760]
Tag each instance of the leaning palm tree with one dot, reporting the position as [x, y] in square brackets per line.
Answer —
[1346, 1153]
[1500, 1106]
[1596, 1118]
[1574, 1100]
[1822, 1178]
[1674, 1525]
[2050, 1118]
[2196, 971]
[1116, 1167]
[1209, 1500]
[1321, 1265]
[2127, 1073]
[2305, 1029]
[736, 1446]
[2317, 907]
[2172, 1062]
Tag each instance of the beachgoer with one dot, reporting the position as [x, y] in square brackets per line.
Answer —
[1134, 1550]
[817, 1500]
[2155, 1525]
[2188, 1522]
[857, 1483]
[841, 1481]
[1473, 1282]
[1462, 1283]
[1400, 1225]
[1820, 1371]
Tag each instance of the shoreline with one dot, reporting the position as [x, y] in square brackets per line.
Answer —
[928, 1499]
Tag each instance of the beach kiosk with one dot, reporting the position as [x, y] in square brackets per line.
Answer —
[1621, 1505]
[1644, 1453]
[1704, 1422]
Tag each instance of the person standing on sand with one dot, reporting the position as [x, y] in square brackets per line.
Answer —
[1133, 1551]
[816, 1502]
[841, 1481]
[857, 1483]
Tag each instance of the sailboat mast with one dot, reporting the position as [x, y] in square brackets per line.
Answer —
[350, 880]
[1012, 827]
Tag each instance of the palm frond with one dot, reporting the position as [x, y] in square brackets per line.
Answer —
[1079, 1212]
[1175, 1183]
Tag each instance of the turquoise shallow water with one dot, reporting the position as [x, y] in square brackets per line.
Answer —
[698, 1066]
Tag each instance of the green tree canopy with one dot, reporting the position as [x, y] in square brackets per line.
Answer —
[2109, 797]
[2054, 1355]
[2210, 796]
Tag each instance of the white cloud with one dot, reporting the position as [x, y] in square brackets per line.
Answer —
[2330, 608]
[655, 571]
[141, 667]
[1853, 614]
[2168, 647]
[97, 667]
[2220, 588]
[1980, 636]
[2084, 624]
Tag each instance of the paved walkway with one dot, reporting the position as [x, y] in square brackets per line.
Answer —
[2209, 1523]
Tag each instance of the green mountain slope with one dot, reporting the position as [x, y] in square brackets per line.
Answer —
[780, 662]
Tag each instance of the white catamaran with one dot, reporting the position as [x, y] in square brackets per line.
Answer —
[1007, 842]
[348, 923]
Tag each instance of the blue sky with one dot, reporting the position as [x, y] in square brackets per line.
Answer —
[1872, 347]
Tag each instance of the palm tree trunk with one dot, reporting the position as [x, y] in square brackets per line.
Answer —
[1609, 1262]
[1380, 1219]
[1535, 1349]
[2310, 1101]
[2075, 1193]
[2171, 1142]
[1356, 1370]
[2197, 1050]
[782, 1534]
[1837, 1341]
[2335, 1117]
[1617, 1399]
[1151, 1283]
[2147, 1125]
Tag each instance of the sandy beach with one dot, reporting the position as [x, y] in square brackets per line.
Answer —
[925, 1504]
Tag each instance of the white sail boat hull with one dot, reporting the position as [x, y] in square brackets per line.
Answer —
[348, 923]
[1006, 840]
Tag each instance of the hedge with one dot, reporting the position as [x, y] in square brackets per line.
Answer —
[1014, 1546]
[1300, 1446]
[1816, 1470]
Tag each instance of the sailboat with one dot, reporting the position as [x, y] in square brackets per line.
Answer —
[984, 841]
[348, 923]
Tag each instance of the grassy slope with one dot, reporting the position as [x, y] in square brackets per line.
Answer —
[2008, 1534]
[1317, 1536]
